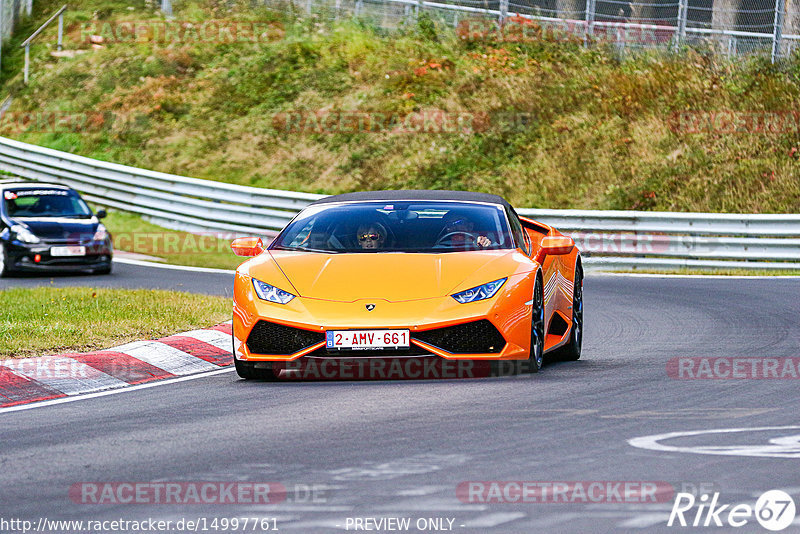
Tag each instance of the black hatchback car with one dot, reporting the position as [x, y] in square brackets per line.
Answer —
[48, 227]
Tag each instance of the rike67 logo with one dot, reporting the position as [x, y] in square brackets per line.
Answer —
[774, 510]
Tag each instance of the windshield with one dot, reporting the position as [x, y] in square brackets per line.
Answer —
[45, 203]
[405, 226]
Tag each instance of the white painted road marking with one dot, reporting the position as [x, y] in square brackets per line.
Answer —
[784, 446]
[128, 389]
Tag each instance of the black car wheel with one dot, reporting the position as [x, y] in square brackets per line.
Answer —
[248, 370]
[103, 270]
[4, 270]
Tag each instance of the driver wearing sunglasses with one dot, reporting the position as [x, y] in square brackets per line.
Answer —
[371, 236]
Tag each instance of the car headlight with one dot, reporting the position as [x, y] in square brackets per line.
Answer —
[23, 234]
[101, 234]
[482, 292]
[271, 293]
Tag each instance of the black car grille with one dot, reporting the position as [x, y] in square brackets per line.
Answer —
[271, 338]
[478, 337]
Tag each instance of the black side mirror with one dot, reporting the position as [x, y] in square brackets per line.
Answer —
[101, 213]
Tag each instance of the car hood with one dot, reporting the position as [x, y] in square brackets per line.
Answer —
[60, 229]
[394, 277]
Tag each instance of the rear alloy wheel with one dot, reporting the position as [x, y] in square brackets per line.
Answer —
[536, 357]
[572, 350]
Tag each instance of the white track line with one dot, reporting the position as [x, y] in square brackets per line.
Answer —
[64, 400]
[702, 276]
[141, 263]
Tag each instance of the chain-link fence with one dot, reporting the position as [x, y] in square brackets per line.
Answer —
[731, 27]
[10, 13]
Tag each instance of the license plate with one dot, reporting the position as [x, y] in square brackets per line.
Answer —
[367, 339]
[68, 251]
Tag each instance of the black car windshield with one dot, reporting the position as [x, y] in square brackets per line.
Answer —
[21, 203]
[397, 226]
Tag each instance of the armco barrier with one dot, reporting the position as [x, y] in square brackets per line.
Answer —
[608, 239]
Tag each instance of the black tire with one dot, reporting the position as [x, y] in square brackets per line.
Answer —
[572, 350]
[3, 261]
[103, 270]
[536, 354]
[248, 370]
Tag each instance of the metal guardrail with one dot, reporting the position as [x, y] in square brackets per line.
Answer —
[607, 239]
[179, 202]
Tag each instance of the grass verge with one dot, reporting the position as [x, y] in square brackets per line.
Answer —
[563, 126]
[131, 233]
[47, 320]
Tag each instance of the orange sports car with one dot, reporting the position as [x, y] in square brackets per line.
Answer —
[448, 275]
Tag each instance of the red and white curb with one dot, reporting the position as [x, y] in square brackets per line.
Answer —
[25, 380]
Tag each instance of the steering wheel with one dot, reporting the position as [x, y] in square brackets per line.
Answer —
[450, 235]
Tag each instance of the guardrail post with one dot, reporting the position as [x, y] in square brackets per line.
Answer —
[29, 7]
[61, 31]
[166, 7]
[338, 8]
[27, 62]
[777, 31]
[589, 21]
[503, 11]
[308, 6]
[683, 12]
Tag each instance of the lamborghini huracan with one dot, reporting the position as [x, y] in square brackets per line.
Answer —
[449, 275]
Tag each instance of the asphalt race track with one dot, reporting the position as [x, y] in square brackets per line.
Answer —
[131, 276]
[400, 449]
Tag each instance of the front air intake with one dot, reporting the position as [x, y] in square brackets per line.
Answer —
[272, 338]
[478, 337]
